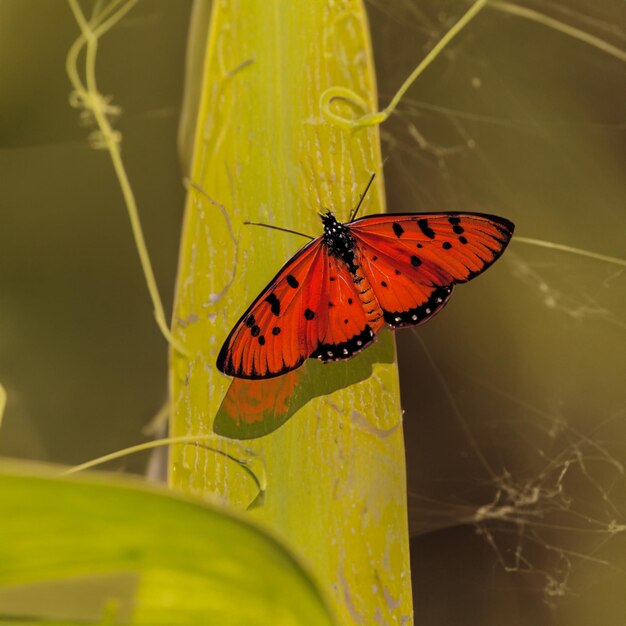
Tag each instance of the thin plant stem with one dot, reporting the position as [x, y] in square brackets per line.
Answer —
[88, 94]
[550, 22]
[379, 117]
[563, 248]
[156, 443]
[434, 53]
[3, 402]
[260, 480]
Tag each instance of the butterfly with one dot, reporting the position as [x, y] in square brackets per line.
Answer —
[333, 296]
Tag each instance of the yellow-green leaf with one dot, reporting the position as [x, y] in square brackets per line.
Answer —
[102, 550]
[269, 148]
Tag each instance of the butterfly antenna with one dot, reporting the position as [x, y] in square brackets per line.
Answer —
[358, 206]
[285, 230]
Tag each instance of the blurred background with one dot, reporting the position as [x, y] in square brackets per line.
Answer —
[514, 397]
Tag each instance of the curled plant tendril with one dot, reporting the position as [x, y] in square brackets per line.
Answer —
[378, 117]
[347, 95]
[370, 119]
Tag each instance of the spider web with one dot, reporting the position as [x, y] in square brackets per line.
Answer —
[522, 372]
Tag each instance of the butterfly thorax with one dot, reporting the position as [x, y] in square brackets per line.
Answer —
[338, 240]
[342, 245]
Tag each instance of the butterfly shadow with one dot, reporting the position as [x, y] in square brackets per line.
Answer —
[255, 408]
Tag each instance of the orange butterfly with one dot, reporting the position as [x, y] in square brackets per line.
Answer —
[332, 297]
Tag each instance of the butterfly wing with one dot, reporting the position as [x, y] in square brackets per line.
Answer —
[278, 331]
[413, 260]
[315, 307]
[344, 326]
[310, 309]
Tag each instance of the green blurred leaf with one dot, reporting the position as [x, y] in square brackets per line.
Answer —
[102, 550]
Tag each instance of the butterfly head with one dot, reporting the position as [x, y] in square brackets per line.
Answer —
[337, 238]
[334, 231]
[329, 220]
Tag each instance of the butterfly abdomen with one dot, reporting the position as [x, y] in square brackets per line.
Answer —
[373, 312]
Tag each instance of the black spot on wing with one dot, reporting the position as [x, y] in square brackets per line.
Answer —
[256, 331]
[274, 303]
[308, 314]
[457, 229]
[292, 281]
[427, 231]
[250, 321]
[415, 261]
[397, 229]
[421, 313]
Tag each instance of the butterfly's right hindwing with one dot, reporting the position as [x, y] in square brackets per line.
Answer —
[345, 327]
